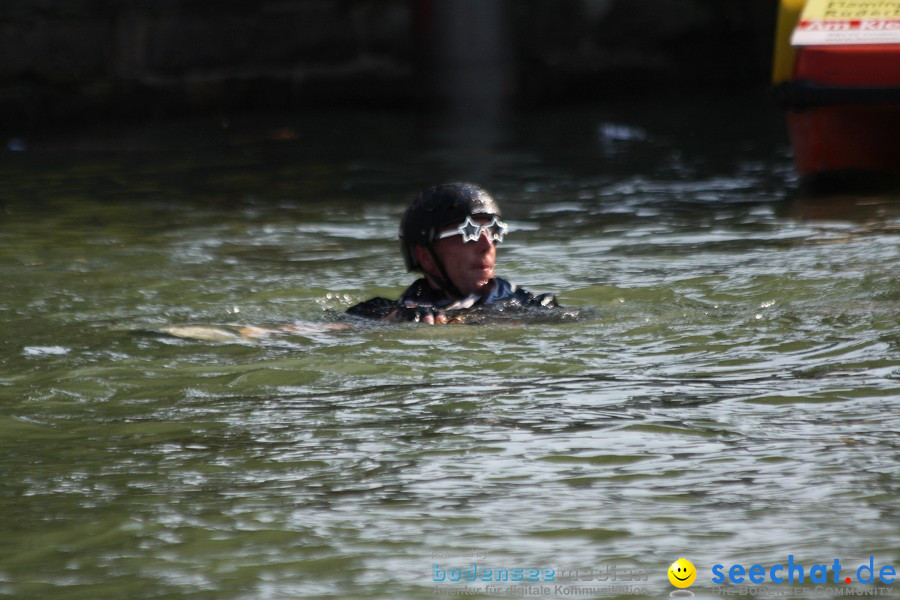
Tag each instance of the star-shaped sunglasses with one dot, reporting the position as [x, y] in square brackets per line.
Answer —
[471, 231]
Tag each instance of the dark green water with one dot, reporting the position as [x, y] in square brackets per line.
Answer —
[729, 393]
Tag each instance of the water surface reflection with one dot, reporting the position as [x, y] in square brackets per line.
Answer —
[729, 393]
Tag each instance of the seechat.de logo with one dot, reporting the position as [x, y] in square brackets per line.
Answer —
[794, 572]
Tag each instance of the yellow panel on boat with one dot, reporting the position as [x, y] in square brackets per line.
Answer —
[785, 55]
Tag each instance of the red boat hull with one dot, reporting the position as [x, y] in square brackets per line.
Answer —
[850, 127]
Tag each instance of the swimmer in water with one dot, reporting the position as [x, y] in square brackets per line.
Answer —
[450, 234]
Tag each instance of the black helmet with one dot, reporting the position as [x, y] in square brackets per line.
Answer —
[438, 207]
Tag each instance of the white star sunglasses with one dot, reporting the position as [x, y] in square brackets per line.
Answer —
[471, 231]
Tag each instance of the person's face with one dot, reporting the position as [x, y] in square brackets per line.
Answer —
[470, 265]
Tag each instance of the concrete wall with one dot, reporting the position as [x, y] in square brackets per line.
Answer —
[80, 59]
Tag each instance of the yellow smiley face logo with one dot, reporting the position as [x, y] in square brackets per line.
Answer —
[682, 573]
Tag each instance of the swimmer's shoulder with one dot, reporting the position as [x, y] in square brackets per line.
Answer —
[508, 291]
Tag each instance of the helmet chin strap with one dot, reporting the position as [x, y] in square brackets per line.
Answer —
[444, 280]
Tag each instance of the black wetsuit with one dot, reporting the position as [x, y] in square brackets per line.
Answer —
[421, 299]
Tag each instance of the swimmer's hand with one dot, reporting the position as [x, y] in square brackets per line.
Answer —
[420, 314]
